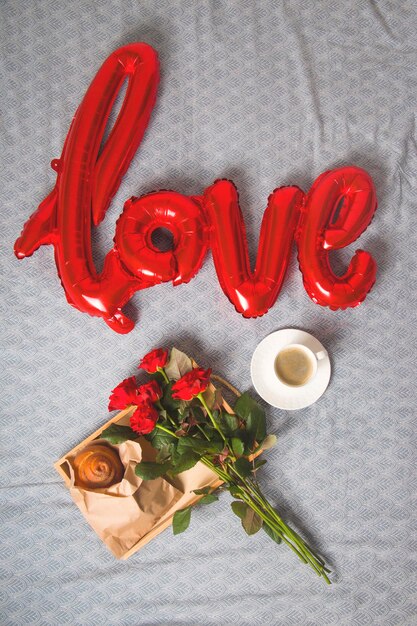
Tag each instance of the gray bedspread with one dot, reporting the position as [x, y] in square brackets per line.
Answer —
[265, 93]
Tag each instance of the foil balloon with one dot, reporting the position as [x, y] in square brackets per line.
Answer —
[338, 208]
[86, 182]
[180, 215]
[252, 293]
[89, 174]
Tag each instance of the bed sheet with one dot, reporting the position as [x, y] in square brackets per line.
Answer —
[265, 93]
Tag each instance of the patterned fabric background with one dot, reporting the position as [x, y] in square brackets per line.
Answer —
[266, 93]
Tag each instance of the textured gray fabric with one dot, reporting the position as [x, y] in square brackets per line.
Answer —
[265, 93]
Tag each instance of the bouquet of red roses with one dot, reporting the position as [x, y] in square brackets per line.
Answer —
[185, 420]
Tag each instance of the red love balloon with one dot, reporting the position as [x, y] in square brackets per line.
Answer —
[252, 293]
[322, 230]
[86, 182]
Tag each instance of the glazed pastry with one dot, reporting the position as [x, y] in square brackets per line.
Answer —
[97, 466]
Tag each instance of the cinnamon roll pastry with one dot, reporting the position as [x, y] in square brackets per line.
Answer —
[97, 466]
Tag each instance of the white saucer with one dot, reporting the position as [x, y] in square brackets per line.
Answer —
[268, 385]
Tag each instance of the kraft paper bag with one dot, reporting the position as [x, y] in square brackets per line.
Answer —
[123, 513]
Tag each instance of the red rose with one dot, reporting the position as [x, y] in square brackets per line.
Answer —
[154, 360]
[144, 419]
[191, 384]
[150, 392]
[124, 394]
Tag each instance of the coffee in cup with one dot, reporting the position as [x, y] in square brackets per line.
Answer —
[296, 365]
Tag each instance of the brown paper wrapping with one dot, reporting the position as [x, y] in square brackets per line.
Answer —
[149, 509]
[123, 513]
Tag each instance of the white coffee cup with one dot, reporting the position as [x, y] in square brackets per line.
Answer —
[296, 365]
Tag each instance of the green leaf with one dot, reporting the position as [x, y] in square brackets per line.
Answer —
[259, 463]
[234, 491]
[210, 431]
[181, 520]
[251, 522]
[182, 407]
[243, 467]
[148, 470]
[229, 423]
[179, 364]
[163, 414]
[159, 439]
[192, 443]
[118, 434]
[215, 446]
[201, 446]
[167, 401]
[158, 377]
[165, 453]
[203, 491]
[208, 499]
[269, 531]
[184, 414]
[239, 509]
[237, 446]
[253, 415]
[198, 414]
[269, 442]
[183, 462]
